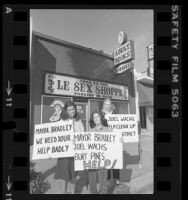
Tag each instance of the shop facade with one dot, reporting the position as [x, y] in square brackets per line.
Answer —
[61, 70]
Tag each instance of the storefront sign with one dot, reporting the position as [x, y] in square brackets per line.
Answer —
[124, 53]
[96, 150]
[53, 140]
[150, 52]
[123, 68]
[63, 85]
[126, 124]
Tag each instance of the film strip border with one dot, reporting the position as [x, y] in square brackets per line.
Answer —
[15, 102]
[167, 103]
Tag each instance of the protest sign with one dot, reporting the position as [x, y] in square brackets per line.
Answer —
[53, 140]
[126, 124]
[96, 150]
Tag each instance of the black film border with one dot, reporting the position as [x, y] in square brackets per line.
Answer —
[167, 99]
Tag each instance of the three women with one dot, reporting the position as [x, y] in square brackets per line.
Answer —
[65, 166]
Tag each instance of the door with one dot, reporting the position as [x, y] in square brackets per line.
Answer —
[82, 109]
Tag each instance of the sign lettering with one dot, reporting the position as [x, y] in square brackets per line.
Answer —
[126, 124]
[63, 85]
[124, 53]
[53, 140]
[124, 67]
[98, 150]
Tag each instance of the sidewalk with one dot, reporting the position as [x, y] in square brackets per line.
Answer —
[140, 185]
[141, 178]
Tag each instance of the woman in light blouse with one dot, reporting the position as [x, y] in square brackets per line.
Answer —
[98, 124]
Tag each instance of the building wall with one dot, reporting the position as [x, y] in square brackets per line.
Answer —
[149, 119]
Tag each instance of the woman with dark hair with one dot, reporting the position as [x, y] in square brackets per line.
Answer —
[65, 166]
[98, 124]
[92, 122]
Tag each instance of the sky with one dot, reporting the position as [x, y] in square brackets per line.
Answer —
[98, 29]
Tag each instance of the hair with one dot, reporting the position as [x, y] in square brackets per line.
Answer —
[103, 120]
[108, 100]
[65, 115]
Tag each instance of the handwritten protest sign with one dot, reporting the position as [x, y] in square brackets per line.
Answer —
[53, 140]
[95, 150]
[126, 124]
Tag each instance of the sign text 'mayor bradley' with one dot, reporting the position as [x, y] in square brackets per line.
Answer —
[97, 150]
[63, 85]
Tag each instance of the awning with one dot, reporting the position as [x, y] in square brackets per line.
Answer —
[145, 94]
[145, 79]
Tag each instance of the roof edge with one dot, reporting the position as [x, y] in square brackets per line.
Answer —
[144, 77]
[42, 35]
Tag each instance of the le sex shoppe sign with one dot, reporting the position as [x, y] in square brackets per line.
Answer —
[64, 85]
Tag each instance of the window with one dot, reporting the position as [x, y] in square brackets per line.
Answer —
[82, 111]
[97, 105]
[47, 111]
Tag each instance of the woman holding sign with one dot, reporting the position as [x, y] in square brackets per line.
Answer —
[58, 109]
[98, 124]
[65, 166]
[113, 175]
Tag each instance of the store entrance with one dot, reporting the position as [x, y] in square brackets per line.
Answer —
[120, 107]
[82, 109]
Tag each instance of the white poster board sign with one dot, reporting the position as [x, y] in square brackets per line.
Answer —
[96, 150]
[53, 140]
[126, 124]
